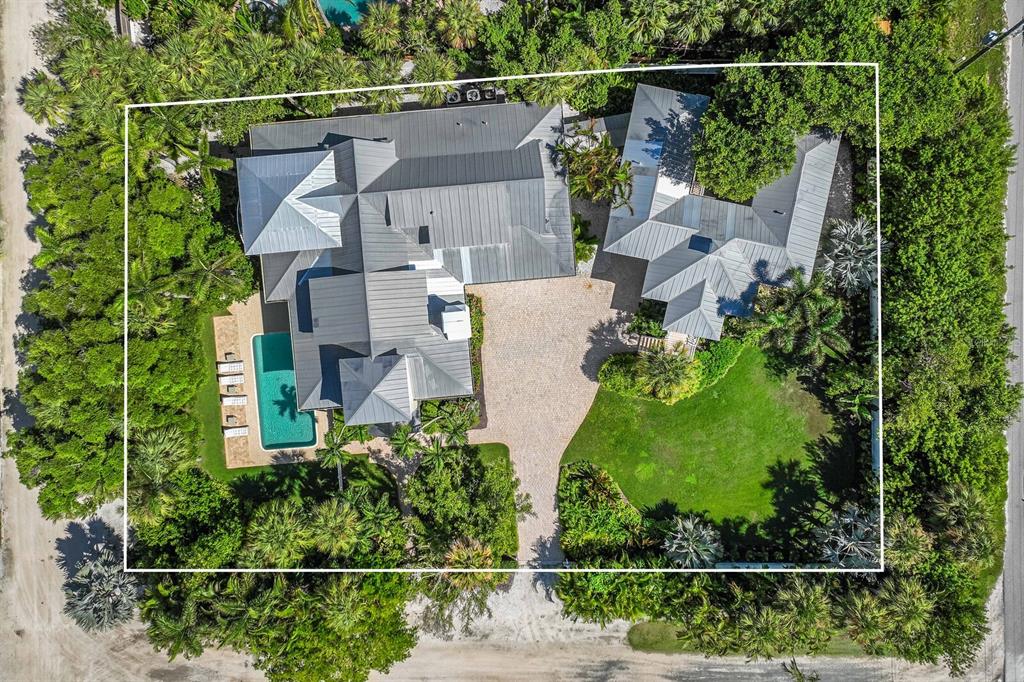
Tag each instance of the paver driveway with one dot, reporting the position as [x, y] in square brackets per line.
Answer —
[544, 341]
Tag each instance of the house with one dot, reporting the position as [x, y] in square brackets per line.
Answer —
[706, 257]
[369, 227]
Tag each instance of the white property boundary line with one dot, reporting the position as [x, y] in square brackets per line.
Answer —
[592, 72]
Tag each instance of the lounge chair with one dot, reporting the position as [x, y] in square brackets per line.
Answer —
[235, 431]
[230, 367]
[231, 379]
[233, 399]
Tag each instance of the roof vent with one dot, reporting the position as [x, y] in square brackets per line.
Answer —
[455, 321]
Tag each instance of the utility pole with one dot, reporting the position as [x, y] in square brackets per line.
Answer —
[989, 44]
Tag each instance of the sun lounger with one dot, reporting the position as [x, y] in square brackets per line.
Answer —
[230, 367]
[235, 431]
[233, 399]
[231, 379]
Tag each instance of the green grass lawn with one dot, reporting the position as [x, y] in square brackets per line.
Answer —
[207, 410]
[969, 21]
[660, 637]
[492, 454]
[711, 452]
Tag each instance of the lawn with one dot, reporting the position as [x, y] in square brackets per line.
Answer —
[969, 21]
[492, 454]
[711, 452]
[207, 410]
[660, 637]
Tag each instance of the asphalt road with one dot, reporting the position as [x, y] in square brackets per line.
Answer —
[1013, 561]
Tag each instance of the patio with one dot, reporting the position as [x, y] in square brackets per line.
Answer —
[233, 339]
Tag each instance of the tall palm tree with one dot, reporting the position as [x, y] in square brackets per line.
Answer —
[220, 279]
[666, 374]
[277, 535]
[381, 27]
[693, 543]
[550, 90]
[801, 320]
[762, 632]
[333, 453]
[431, 66]
[459, 23]
[44, 99]
[154, 458]
[100, 595]
[866, 620]
[302, 19]
[201, 161]
[697, 21]
[850, 254]
[384, 71]
[404, 442]
[649, 20]
[451, 418]
[335, 528]
[340, 71]
[594, 168]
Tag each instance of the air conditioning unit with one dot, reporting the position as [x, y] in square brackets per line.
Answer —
[455, 321]
[453, 97]
[472, 95]
[489, 93]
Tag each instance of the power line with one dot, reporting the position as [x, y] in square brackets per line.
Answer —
[989, 45]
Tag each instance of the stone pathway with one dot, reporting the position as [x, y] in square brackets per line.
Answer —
[544, 341]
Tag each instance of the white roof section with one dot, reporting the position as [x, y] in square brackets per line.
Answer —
[706, 257]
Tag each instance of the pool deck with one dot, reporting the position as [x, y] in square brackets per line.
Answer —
[233, 334]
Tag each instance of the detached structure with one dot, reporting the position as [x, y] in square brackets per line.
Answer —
[370, 226]
[706, 257]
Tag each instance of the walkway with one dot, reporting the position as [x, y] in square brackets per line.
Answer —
[544, 341]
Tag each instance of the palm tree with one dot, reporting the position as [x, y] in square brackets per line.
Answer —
[666, 374]
[649, 20]
[381, 27]
[203, 162]
[698, 20]
[384, 71]
[593, 165]
[798, 675]
[341, 71]
[549, 90]
[404, 442]
[907, 544]
[801, 320]
[762, 633]
[860, 406]
[451, 418]
[100, 595]
[756, 17]
[866, 621]
[693, 543]
[961, 519]
[44, 99]
[850, 254]
[431, 66]
[459, 23]
[154, 458]
[852, 538]
[907, 605]
[277, 535]
[333, 453]
[335, 528]
[302, 19]
[807, 612]
[219, 279]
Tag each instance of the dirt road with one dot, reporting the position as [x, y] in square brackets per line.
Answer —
[36, 641]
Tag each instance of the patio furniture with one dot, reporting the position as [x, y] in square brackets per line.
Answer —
[230, 367]
[231, 420]
[233, 399]
[236, 431]
[233, 389]
[231, 379]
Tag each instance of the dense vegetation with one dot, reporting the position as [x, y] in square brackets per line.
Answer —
[948, 398]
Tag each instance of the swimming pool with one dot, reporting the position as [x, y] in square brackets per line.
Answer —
[281, 424]
[343, 12]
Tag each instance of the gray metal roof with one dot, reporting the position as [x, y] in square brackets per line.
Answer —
[707, 255]
[352, 216]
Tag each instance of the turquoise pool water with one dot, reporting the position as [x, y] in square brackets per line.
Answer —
[281, 424]
[343, 12]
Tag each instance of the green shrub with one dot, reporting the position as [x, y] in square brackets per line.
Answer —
[476, 339]
[584, 243]
[596, 517]
[647, 320]
[618, 374]
[717, 359]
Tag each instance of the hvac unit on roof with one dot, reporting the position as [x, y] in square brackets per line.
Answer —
[455, 321]
[489, 93]
[453, 97]
[472, 95]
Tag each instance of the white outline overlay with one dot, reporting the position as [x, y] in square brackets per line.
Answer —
[526, 569]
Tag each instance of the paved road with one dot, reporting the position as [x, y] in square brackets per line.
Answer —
[1013, 562]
